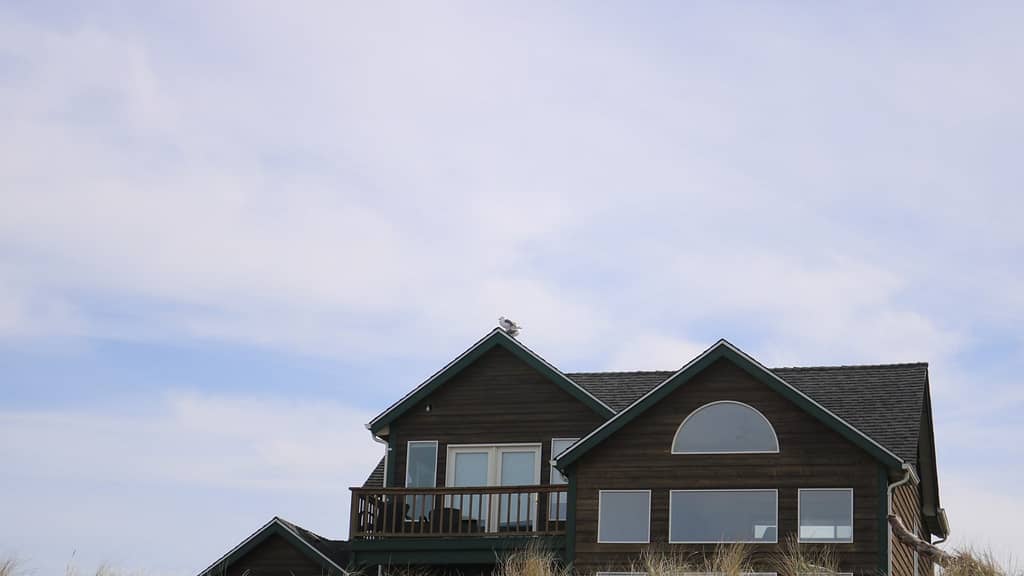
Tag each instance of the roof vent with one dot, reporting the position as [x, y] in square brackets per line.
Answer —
[509, 326]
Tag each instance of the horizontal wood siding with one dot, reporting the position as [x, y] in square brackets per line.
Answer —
[498, 399]
[905, 500]
[273, 557]
[812, 456]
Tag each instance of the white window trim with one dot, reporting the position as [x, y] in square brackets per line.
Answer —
[775, 436]
[799, 539]
[600, 495]
[492, 471]
[551, 467]
[775, 541]
[408, 445]
[741, 574]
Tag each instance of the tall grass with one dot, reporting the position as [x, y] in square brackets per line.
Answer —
[972, 562]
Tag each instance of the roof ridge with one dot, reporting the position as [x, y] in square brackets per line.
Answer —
[823, 367]
[852, 366]
[620, 372]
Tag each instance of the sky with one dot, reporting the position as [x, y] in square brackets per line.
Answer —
[233, 232]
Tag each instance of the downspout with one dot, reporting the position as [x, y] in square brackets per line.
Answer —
[387, 457]
[907, 476]
[384, 481]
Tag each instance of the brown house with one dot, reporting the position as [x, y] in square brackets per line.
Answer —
[500, 449]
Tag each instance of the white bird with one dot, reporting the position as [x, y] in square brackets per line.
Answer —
[509, 326]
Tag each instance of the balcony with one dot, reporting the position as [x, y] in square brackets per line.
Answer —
[472, 512]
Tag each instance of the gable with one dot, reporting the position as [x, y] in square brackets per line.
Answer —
[279, 547]
[274, 556]
[724, 350]
[496, 339]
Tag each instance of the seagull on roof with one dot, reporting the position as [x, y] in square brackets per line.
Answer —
[509, 326]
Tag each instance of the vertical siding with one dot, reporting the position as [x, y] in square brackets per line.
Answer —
[906, 503]
[811, 456]
[497, 399]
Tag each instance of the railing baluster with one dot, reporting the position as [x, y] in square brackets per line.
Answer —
[415, 512]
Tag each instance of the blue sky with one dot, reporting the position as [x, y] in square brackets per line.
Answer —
[232, 232]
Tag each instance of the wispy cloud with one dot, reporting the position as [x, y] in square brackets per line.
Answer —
[377, 183]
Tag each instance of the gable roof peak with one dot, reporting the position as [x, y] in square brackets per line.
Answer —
[723, 349]
[496, 337]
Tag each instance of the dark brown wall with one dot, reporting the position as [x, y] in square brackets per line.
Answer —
[811, 456]
[905, 501]
[497, 399]
[273, 557]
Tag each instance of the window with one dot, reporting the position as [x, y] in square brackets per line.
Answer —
[725, 427]
[420, 472]
[826, 515]
[712, 516]
[557, 502]
[624, 516]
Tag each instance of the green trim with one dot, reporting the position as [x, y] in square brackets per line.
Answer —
[478, 550]
[570, 520]
[883, 521]
[723, 350]
[274, 527]
[497, 337]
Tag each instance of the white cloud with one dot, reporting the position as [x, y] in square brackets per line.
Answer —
[132, 483]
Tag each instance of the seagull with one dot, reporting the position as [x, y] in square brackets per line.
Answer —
[509, 326]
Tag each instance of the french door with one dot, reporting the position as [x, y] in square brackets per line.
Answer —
[496, 465]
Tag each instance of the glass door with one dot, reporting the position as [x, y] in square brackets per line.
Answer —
[517, 467]
[488, 466]
[471, 467]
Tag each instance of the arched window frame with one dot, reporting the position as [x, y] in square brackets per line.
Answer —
[775, 436]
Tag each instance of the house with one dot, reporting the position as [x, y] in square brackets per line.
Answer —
[500, 449]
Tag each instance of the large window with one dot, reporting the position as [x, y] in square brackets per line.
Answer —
[711, 516]
[420, 472]
[725, 427]
[557, 502]
[624, 516]
[826, 515]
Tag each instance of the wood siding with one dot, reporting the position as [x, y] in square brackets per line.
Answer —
[273, 557]
[906, 504]
[811, 456]
[498, 399]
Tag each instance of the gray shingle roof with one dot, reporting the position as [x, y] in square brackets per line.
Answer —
[884, 401]
[376, 478]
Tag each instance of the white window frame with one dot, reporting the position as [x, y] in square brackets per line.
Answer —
[600, 496]
[551, 467]
[493, 469]
[408, 445]
[720, 574]
[799, 521]
[775, 436]
[775, 541]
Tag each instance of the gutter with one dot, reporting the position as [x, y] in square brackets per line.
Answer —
[908, 475]
[944, 524]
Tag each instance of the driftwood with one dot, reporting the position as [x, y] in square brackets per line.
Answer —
[928, 550]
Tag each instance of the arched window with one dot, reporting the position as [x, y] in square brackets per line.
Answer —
[725, 427]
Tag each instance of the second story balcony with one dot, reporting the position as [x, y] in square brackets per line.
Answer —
[457, 512]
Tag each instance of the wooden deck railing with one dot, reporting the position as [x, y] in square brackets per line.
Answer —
[445, 512]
